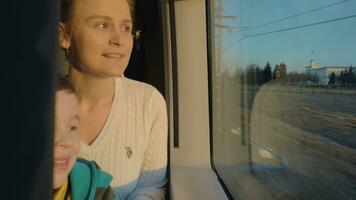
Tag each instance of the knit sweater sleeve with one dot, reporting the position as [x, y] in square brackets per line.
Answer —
[152, 178]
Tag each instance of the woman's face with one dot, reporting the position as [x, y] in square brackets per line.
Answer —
[101, 37]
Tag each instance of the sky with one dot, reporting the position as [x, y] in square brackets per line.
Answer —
[289, 31]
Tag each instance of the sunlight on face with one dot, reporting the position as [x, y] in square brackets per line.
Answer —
[101, 40]
[67, 143]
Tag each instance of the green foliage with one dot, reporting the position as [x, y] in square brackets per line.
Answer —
[332, 79]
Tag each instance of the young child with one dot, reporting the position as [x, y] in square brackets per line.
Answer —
[74, 178]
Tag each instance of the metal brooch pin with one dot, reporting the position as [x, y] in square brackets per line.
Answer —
[128, 152]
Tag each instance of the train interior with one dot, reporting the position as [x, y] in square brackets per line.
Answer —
[241, 132]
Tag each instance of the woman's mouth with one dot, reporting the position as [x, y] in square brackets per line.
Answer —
[113, 55]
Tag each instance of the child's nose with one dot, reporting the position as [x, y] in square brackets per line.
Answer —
[61, 139]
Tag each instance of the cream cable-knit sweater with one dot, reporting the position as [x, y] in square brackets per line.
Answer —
[132, 145]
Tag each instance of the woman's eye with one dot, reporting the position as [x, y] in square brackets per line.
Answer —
[102, 26]
[72, 128]
[126, 28]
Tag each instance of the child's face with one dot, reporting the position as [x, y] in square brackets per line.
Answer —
[66, 142]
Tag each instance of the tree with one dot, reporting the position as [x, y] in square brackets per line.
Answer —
[266, 74]
[283, 72]
[280, 73]
[252, 74]
[342, 77]
[296, 77]
[274, 74]
[258, 76]
[332, 79]
[351, 78]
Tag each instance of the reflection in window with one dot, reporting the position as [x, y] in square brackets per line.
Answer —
[283, 89]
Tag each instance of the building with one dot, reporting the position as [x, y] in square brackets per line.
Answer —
[321, 75]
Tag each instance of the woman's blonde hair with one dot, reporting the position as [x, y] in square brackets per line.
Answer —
[67, 6]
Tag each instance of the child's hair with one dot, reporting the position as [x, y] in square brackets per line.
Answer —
[63, 83]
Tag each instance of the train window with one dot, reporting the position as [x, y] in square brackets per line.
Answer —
[283, 86]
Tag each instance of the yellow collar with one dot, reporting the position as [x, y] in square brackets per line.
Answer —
[61, 193]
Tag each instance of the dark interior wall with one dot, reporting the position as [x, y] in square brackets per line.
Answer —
[28, 54]
[147, 59]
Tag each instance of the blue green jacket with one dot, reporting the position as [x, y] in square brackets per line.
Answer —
[89, 182]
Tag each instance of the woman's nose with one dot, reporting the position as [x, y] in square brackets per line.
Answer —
[115, 42]
[115, 38]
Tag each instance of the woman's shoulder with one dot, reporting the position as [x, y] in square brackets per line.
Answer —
[139, 88]
[142, 94]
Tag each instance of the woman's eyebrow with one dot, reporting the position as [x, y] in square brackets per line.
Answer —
[129, 21]
[75, 117]
[106, 18]
[98, 17]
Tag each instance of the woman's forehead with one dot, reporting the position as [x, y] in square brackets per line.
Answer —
[116, 9]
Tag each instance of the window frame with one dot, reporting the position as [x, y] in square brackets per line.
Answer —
[209, 30]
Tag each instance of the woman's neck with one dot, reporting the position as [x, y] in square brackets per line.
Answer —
[91, 90]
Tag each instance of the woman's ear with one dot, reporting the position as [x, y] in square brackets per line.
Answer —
[63, 36]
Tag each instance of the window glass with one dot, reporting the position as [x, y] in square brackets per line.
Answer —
[283, 92]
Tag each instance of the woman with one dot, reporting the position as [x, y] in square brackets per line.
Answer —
[123, 122]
